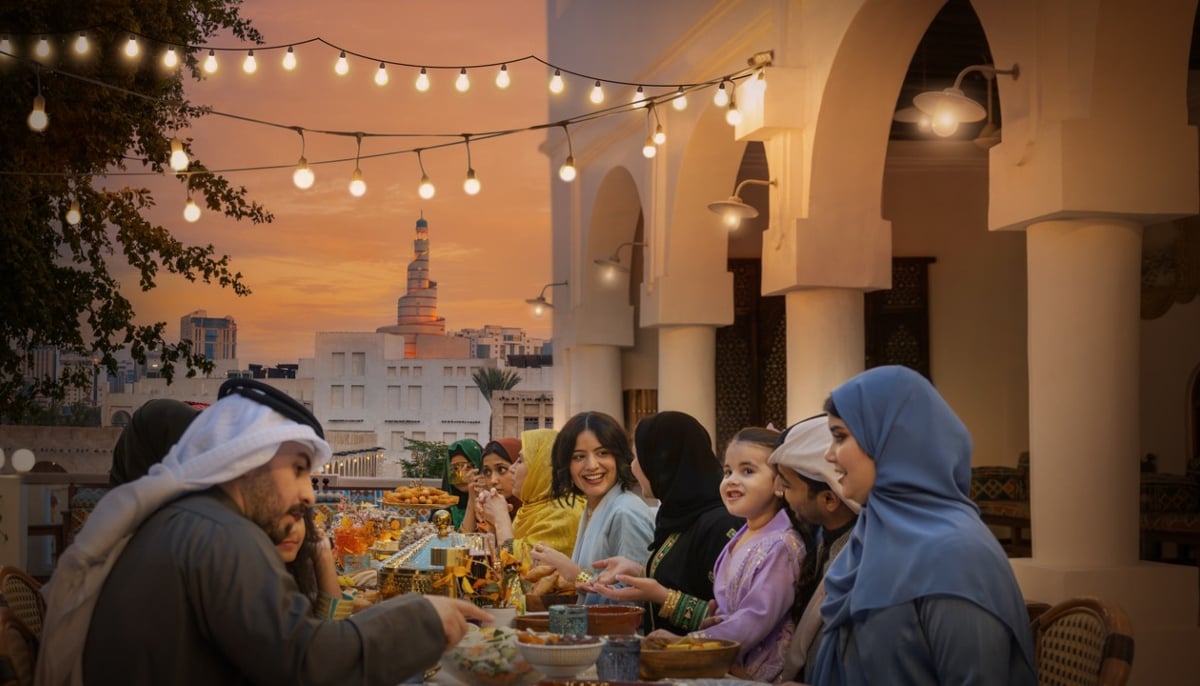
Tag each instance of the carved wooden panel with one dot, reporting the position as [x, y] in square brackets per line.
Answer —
[897, 320]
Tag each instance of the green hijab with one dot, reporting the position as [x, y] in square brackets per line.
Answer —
[470, 449]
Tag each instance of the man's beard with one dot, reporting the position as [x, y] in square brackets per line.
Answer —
[265, 507]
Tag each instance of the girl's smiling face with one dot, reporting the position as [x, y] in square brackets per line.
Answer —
[593, 468]
[856, 469]
[748, 488]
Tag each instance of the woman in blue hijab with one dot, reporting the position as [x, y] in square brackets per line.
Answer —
[923, 593]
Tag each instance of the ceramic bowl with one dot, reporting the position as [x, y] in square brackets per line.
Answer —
[562, 660]
[614, 620]
[532, 621]
[687, 658]
[489, 657]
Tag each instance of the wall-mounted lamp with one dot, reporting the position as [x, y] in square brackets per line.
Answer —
[612, 264]
[733, 210]
[950, 107]
[539, 303]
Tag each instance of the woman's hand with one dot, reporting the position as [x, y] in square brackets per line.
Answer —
[634, 589]
[543, 554]
[661, 633]
[610, 567]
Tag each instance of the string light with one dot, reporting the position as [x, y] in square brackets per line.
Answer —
[425, 189]
[342, 66]
[721, 97]
[42, 49]
[170, 59]
[210, 62]
[357, 186]
[733, 116]
[250, 65]
[131, 47]
[381, 75]
[649, 150]
[639, 97]
[660, 135]
[556, 82]
[81, 44]
[567, 171]
[502, 79]
[679, 102]
[471, 184]
[289, 59]
[303, 177]
[191, 211]
[463, 83]
[179, 159]
[74, 216]
[38, 119]
[423, 80]
[597, 95]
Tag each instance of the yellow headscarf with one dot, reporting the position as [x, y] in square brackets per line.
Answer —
[542, 519]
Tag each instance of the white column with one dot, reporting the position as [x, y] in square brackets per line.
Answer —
[825, 343]
[1084, 294]
[596, 381]
[687, 358]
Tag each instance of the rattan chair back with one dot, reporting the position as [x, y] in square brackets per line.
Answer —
[1083, 642]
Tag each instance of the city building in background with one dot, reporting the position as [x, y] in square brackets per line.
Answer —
[416, 310]
[214, 337]
[500, 342]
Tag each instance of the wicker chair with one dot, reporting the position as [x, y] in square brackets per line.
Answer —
[18, 650]
[22, 595]
[1083, 641]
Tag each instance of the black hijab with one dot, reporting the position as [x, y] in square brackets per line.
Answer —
[675, 453]
[145, 441]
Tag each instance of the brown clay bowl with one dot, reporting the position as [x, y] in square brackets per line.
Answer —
[690, 662]
[534, 621]
[614, 620]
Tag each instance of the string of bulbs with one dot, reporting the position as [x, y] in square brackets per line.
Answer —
[303, 176]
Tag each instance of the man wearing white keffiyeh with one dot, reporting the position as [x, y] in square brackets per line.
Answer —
[175, 578]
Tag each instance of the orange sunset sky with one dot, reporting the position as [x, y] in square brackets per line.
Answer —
[332, 262]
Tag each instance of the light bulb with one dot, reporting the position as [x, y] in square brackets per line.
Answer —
[170, 59]
[731, 220]
[210, 62]
[649, 150]
[556, 82]
[38, 119]
[250, 65]
[423, 80]
[660, 136]
[463, 83]
[733, 116]
[426, 189]
[502, 79]
[131, 47]
[639, 97]
[357, 185]
[679, 102]
[567, 171]
[342, 67]
[303, 177]
[42, 49]
[721, 97]
[289, 59]
[381, 77]
[73, 214]
[924, 123]
[179, 158]
[597, 95]
[191, 211]
[471, 185]
[6, 45]
[539, 309]
[944, 123]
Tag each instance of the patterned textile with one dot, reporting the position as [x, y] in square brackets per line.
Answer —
[1169, 493]
[998, 483]
[1172, 522]
[83, 501]
[1071, 650]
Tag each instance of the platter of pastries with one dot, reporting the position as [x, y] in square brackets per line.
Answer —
[422, 496]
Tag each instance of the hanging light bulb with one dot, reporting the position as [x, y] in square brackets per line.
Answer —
[502, 79]
[179, 158]
[539, 309]
[425, 189]
[649, 150]
[210, 62]
[567, 171]
[191, 211]
[357, 186]
[943, 123]
[131, 47]
[597, 95]
[556, 82]
[250, 65]
[721, 97]
[660, 136]
[639, 97]
[303, 177]
[73, 215]
[423, 80]
[289, 59]
[341, 67]
[170, 58]
[679, 102]
[381, 76]
[38, 119]
[471, 184]
[81, 44]
[733, 116]
[42, 49]
[463, 83]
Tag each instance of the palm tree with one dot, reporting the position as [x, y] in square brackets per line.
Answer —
[490, 379]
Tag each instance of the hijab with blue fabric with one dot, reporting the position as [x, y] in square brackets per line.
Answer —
[917, 517]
